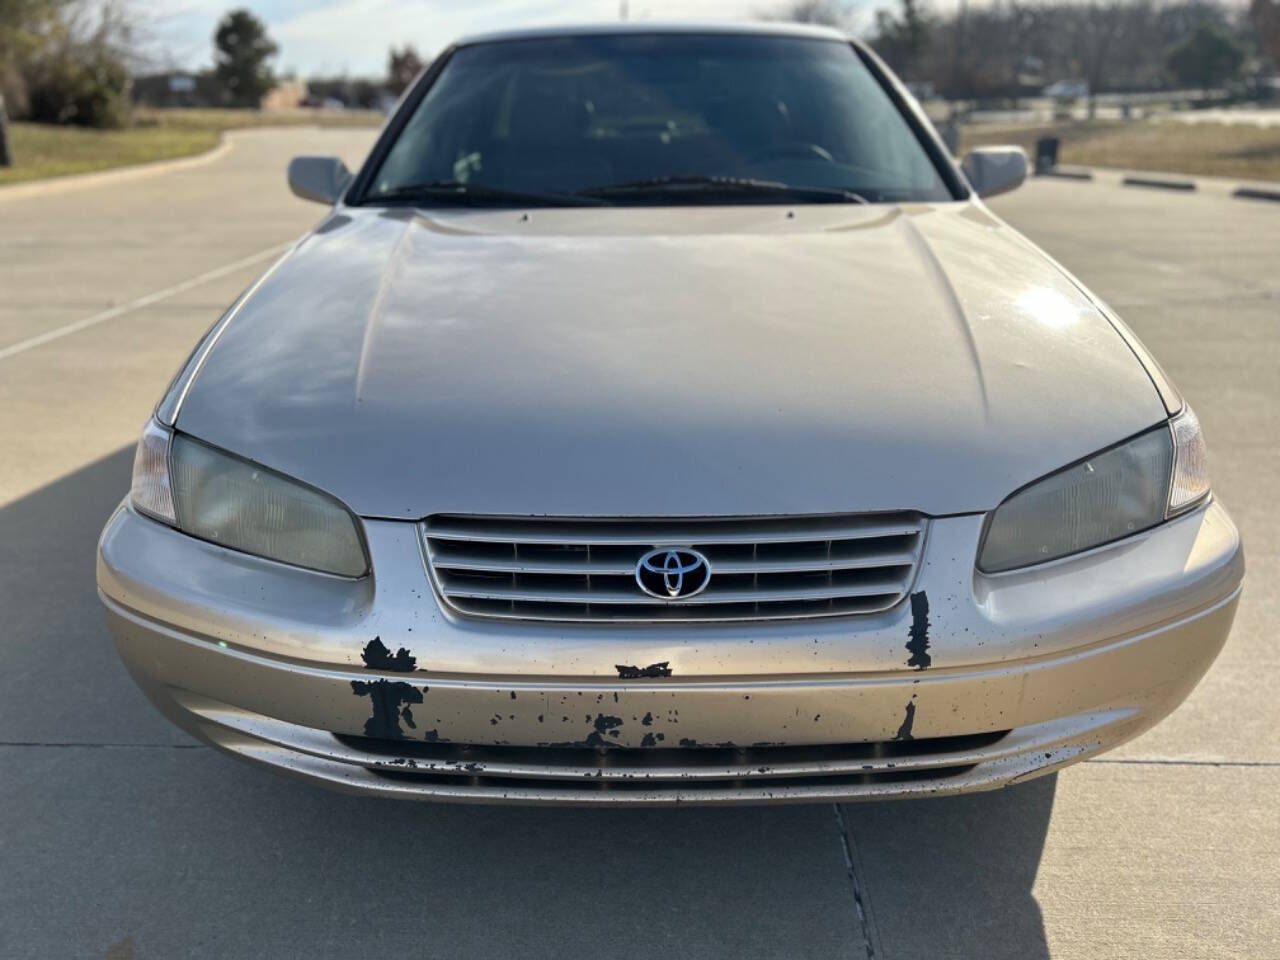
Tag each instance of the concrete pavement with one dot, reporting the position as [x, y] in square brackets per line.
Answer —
[120, 837]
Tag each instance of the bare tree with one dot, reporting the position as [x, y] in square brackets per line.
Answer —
[1005, 49]
[402, 67]
[1011, 49]
[1096, 35]
[23, 25]
[1265, 17]
[82, 69]
[831, 13]
[26, 26]
[903, 38]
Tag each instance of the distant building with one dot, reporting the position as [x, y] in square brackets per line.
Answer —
[352, 93]
[185, 89]
[286, 95]
[176, 89]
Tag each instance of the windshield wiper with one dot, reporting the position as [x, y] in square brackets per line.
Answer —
[723, 186]
[457, 191]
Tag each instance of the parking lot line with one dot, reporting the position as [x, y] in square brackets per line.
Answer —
[110, 314]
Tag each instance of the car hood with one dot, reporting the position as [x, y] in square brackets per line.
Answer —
[667, 362]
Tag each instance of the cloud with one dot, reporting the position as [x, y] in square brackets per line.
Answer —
[355, 34]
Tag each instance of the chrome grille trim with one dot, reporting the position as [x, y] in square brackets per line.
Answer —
[762, 568]
[936, 756]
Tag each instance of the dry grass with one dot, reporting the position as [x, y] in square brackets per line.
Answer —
[1204, 149]
[42, 151]
[216, 119]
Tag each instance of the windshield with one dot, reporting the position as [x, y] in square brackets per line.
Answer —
[632, 119]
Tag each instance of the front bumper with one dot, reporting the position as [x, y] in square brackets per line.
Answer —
[1028, 672]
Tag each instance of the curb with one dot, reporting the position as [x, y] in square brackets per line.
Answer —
[1218, 186]
[1066, 173]
[1255, 193]
[78, 181]
[1159, 184]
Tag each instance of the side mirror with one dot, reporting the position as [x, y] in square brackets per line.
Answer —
[322, 179]
[995, 170]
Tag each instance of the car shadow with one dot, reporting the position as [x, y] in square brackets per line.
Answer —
[181, 851]
[60, 678]
[953, 876]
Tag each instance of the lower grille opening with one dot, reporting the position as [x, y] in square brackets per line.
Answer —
[591, 783]
[553, 755]
[764, 768]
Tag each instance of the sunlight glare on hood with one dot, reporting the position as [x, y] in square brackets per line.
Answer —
[1049, 307]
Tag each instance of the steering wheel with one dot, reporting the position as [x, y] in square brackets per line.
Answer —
[797, 149]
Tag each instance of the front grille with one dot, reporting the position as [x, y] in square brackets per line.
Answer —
[762, 568]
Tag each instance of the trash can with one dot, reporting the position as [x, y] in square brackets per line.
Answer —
[1046, 154]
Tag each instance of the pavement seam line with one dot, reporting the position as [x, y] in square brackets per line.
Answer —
[152, 298]
[846, 847]
[1174, 762]
[104, 746]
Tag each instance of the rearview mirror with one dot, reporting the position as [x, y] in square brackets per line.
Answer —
[995, 170]
[322, 179]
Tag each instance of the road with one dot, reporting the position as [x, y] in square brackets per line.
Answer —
[122, 838]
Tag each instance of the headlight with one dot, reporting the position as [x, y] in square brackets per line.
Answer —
[1122, 490]
[218, 497]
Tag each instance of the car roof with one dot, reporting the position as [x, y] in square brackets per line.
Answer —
[618, 28]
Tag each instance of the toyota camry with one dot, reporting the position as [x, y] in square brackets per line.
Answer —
[660, 415]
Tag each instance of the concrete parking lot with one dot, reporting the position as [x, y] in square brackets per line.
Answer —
[122, 838]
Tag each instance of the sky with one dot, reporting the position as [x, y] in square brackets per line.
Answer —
[331, 37]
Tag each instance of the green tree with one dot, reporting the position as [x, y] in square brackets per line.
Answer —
[242, 55]
[1207, 57]
[828, 13]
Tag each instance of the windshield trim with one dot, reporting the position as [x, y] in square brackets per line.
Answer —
[916, 119]
[358, 194]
